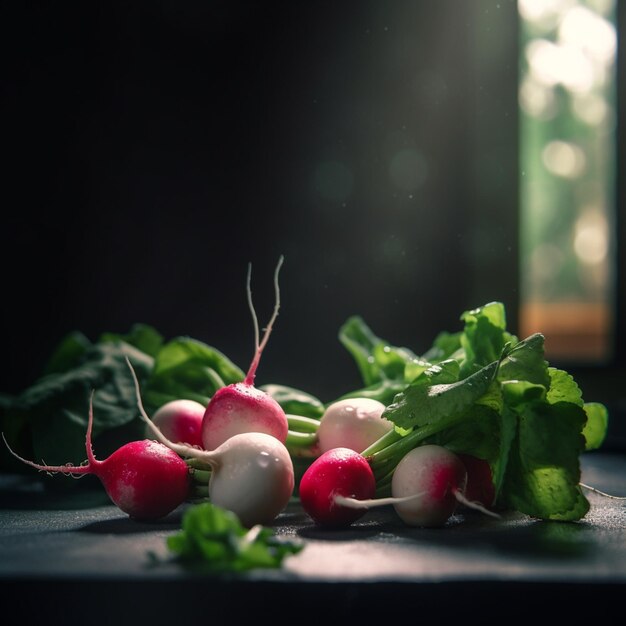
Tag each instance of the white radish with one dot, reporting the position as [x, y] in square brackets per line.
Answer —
[353, 423]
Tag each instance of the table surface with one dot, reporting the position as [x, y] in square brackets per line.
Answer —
[56, 542]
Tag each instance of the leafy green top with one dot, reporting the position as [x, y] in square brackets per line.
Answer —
[483, 392]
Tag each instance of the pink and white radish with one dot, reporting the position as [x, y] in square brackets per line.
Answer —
[427, 485]
[439, 475]
[145, 479]
[353, 423]
[180, 421]
[241, 407]
[251, 474]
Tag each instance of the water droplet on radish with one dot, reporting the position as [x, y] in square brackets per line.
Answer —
[263, 459]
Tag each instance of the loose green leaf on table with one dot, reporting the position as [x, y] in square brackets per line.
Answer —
[213, 538]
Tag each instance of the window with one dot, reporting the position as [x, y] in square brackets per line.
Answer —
[568, 112]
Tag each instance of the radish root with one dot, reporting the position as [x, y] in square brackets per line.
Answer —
[354, 503]
[180, 448]
[260, 345]
[474, 505]
[602, 493]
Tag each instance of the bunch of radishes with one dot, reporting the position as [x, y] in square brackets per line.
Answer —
[239, 439]
[239, 435]
[427, 484]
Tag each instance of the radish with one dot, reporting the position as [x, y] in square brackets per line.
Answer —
[353, 423]
[241, 407]
[251, 474]
[427, 485]
[339, 487]
[145, 479]
[437, 472]
[440, 476]
[180, 421]
[337, 472]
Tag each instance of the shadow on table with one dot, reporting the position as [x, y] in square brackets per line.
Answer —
[26, 493]
[128, 526]
[516, 534]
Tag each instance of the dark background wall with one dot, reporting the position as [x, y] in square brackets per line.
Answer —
[154, 150]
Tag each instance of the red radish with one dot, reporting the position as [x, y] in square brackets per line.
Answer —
[353, 423]
[252, 473]
[337, 472]
[145, 479]
[480, 487]
[241, 407]
[180, 421]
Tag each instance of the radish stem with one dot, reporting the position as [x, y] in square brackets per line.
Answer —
[391, 454]
[300, 440]
[300, 423]
[201, 476]
[386, 440]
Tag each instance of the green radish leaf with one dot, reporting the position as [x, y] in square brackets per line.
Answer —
[143, 337]
[525, 361]
[596, 427]
[563, 388]
[55, 408]
[67, 354]
[484, 336]
[213, 538]
[478, 435]
[295, 401]
[424, 403]
[186, 368]
[543, 470]
[384, 391]
[376, 359]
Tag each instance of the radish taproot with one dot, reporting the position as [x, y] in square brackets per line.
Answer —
[242, 407]
[180, 421]
[251, 473]
[145, 479]
[353, 423]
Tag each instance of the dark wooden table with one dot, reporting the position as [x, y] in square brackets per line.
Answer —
[71, 557]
